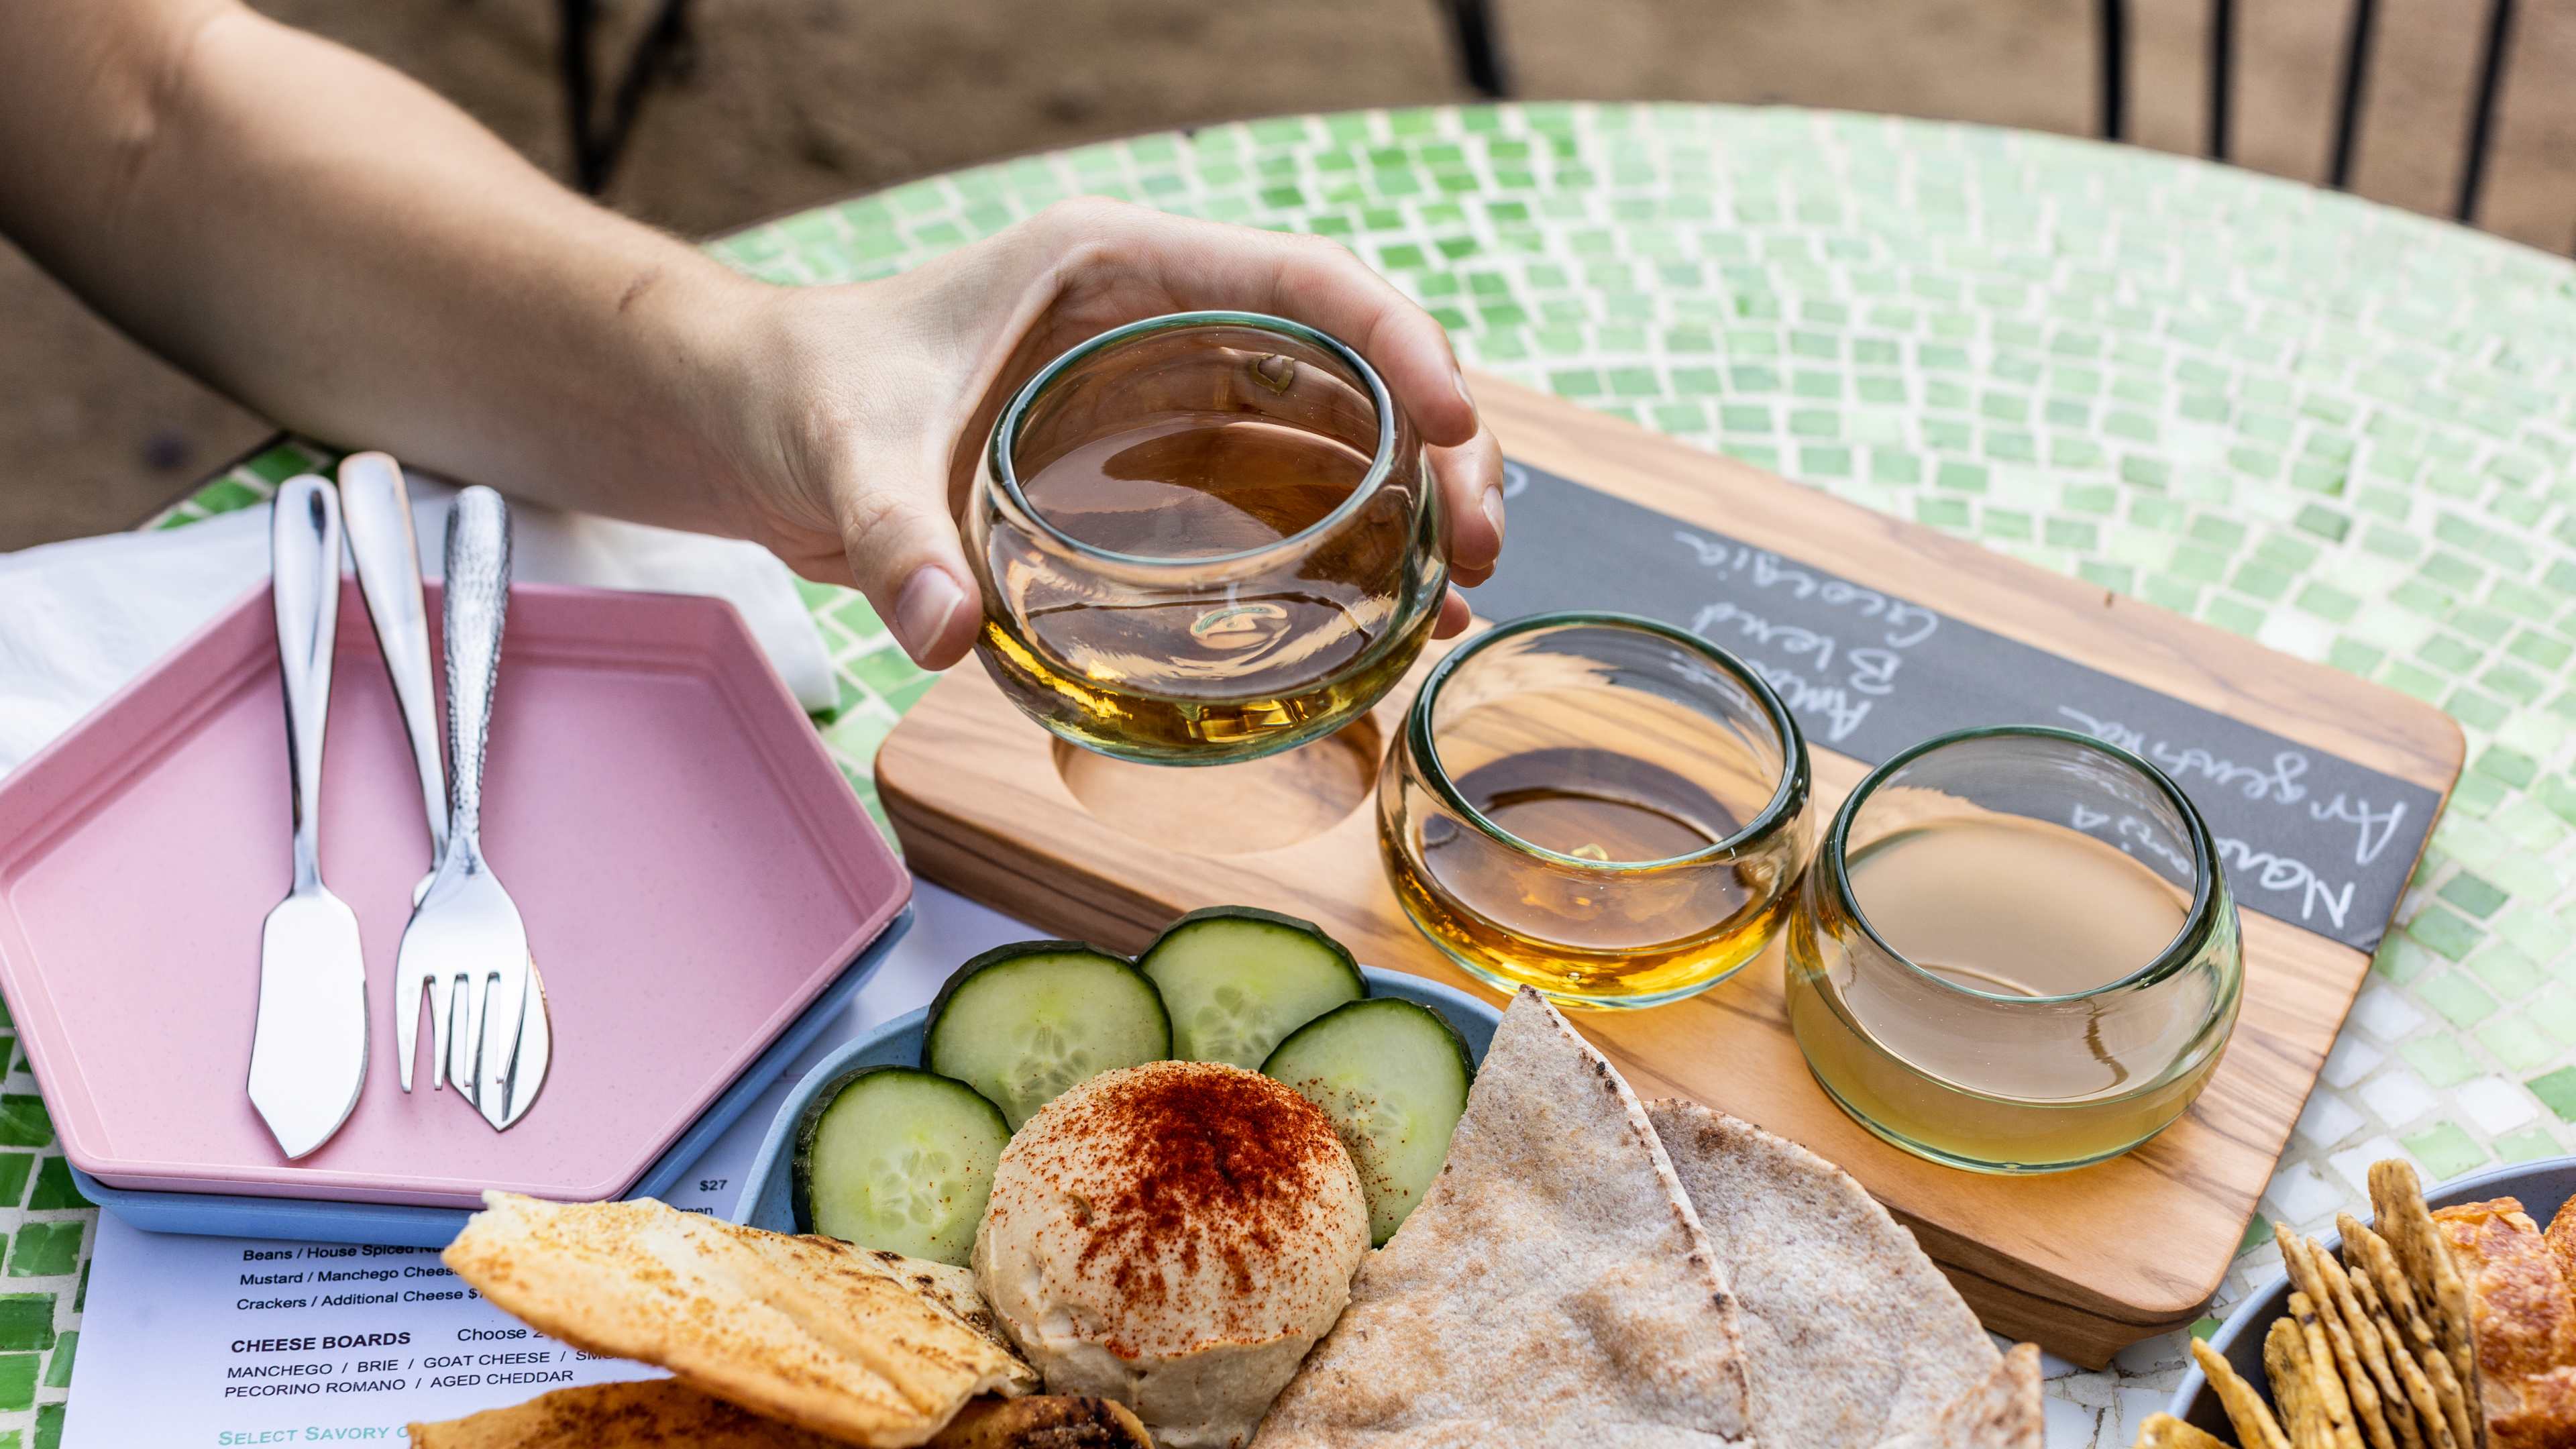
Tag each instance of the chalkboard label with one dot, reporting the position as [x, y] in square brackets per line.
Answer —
[2309, 837]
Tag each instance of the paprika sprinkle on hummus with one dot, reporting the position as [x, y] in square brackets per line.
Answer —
[1174, 1235]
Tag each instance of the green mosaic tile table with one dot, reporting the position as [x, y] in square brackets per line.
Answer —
[2343, 430]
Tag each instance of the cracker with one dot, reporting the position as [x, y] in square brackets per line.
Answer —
[2413, 1326]
[2396, 1410]
[2368, 1252]
[2325, 1380]
[2360, 1392]
[2164, 1431]
[2397, 1200]
[2467, 1430]
[2429, 1418]
[2285, 1363]
[2255, 1426]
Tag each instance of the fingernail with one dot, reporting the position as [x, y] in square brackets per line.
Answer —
[930, 598]
[1493, 506]
[1458, 380]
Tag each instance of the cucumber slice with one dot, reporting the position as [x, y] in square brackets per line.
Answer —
[1022, 1023]
[1238, 980]
[1393, 1076]
[889, 1157]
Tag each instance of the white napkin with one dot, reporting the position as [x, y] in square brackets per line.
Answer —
[78, 620]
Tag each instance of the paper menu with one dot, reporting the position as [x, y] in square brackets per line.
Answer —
[177, 1349]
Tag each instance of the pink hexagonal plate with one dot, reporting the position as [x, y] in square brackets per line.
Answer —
[692, 868]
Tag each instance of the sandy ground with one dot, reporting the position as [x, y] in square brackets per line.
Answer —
[792, 102]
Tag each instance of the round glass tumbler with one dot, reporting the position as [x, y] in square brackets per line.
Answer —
[1603, 807]
[1204, 538]
[2014, 952]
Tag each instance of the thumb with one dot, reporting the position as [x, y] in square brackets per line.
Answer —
[905, 557]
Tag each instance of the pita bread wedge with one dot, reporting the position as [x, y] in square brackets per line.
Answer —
[1851, 1335]
[2000, 1411]
[820, 1335]
[668, 1414]
[2522, 1319]
[1553, 1287]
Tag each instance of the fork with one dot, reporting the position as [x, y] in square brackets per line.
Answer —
[375, 511]
[466, 948]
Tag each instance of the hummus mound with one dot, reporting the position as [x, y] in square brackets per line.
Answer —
[1174, 1236]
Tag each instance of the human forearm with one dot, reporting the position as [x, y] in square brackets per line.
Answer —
[344, 251]
[347, 253]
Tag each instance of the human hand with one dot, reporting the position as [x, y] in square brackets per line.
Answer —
[862, 409]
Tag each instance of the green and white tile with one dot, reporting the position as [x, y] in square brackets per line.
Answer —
[2336, 428]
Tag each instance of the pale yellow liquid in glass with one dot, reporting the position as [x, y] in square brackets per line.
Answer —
[1170, 676]
[2015, 908]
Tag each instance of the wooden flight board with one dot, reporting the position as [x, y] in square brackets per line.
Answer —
[2082, 1262]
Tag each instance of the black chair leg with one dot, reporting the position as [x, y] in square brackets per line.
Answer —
[2222, 76]
[575, 20]
[2354, 86]
[595, 149]
[2473, 166]
[1480, 56]
[2115, 70]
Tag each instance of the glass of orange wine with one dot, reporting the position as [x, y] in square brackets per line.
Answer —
[1202, 539]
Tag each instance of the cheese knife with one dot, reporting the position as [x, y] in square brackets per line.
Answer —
[308, 1055]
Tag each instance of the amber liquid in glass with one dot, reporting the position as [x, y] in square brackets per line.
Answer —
[1638, 934]
[2015, 908]
[1222, 666]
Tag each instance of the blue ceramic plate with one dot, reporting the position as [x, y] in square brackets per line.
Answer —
[2542, 1186]
[765, 1192]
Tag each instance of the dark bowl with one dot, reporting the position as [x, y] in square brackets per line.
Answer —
[2542, 1186]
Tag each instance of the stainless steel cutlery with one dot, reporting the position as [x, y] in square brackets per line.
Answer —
[308, 1057]
[466, 948]
[376, 507]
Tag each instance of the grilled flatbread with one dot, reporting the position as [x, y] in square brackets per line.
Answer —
[668, 1414]
[1044, 1421]
[1553, 1287]
[818, 1334]
[1851, 1336]
[2164, 1431]
[2000, 1411]
[2523, 1322]
[648, 1414]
